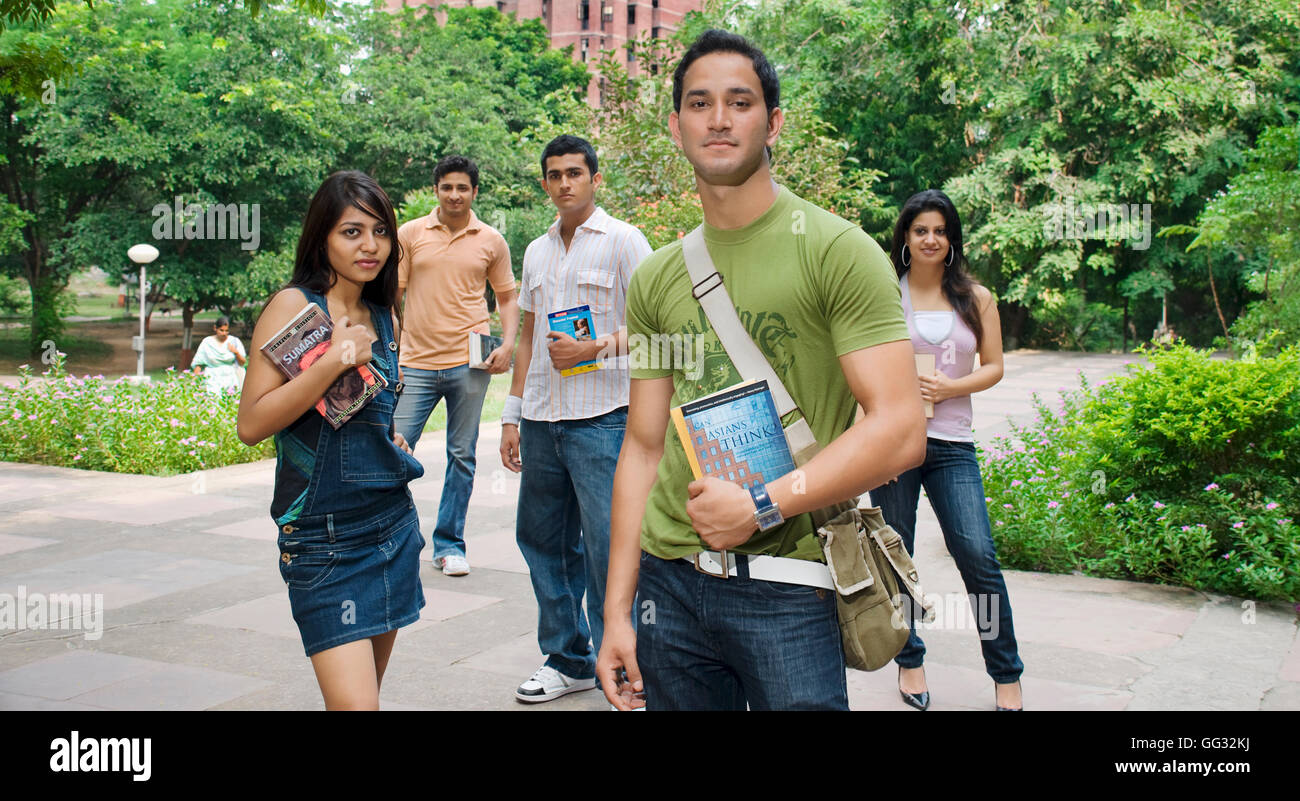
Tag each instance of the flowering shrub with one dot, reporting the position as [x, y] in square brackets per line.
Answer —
[165, 427]
[668, 218]
[1181, 473]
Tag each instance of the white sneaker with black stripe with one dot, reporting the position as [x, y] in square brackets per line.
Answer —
[548, 684]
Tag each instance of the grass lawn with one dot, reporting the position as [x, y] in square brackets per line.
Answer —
[14, 346]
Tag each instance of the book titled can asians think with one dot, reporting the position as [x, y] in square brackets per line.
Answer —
[735, 435]
[305, 339]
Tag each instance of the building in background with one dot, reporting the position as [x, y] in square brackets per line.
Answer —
[589, 25]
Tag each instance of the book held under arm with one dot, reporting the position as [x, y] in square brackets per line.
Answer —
[735, 435]
[577, 323]
[480, 348]
[302, 341]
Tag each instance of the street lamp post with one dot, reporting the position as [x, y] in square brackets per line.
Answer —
[141, 255]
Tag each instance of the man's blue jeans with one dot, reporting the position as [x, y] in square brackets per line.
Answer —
[951, 477]
[464, 390]
[562, 527]
[705, 642]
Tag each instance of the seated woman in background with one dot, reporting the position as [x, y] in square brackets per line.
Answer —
[221, 359]
[950, 318]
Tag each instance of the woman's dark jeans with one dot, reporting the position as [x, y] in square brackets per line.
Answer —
[951, 478]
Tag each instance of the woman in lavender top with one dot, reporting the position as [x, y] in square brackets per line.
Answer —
[951, 318]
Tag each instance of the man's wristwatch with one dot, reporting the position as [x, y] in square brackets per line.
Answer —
[766, 513]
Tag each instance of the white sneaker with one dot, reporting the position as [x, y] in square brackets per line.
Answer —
[548, 683]
[453, 565]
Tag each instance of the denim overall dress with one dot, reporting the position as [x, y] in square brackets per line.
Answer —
[349, 537]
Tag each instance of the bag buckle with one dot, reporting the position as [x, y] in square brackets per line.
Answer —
[726, 570]
[710, 283]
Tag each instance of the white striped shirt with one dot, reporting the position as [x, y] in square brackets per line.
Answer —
[594, 271]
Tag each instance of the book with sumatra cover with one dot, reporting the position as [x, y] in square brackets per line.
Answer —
[304, 340]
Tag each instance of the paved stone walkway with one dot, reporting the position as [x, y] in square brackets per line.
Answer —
[196, 616]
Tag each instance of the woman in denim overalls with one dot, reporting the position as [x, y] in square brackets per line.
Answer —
[349, 538]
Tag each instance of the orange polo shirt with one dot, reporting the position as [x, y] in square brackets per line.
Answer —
[444, 277]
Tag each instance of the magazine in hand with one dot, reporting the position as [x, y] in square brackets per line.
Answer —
[735, 435]
[304, 340]
[577, 323]
[481, 347]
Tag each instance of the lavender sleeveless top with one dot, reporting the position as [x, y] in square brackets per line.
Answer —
[947, 336]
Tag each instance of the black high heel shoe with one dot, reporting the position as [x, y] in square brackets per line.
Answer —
[919, 701]
[999, 708]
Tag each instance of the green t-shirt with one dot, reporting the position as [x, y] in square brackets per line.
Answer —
[809, 287]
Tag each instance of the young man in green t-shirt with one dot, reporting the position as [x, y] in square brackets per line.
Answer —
[821, 300]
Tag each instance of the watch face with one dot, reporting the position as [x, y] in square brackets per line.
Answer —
[769, 518]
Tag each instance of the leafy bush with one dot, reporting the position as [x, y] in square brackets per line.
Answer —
[165, 427]
[14, 297]
[666, 219]
[1183, 472]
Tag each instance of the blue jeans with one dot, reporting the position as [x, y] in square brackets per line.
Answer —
[464, 390]
[707, 643]
[562, 527]
[951, 477]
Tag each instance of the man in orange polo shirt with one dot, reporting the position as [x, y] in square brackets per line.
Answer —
[447, 259]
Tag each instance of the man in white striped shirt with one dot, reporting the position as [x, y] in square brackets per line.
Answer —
[569, 428]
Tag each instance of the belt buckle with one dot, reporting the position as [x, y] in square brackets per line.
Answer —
[726, 568]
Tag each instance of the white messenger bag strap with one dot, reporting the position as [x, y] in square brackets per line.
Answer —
[745, 355]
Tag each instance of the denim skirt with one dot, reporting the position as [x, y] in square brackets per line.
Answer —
[352, 575]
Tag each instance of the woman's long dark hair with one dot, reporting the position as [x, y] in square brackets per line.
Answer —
[958, 286]
[340, 190]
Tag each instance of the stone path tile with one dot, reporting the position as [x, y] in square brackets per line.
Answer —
[147, 508]
[75, 673]
[269, 614]
[443, 604]
[254, 528]
[123, 576]
[12, 543]
[494, 551]
[172, 687]
[10, 702]
[518, 658]
[960, 688]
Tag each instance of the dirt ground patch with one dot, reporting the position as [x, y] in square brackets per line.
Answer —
[162, 347]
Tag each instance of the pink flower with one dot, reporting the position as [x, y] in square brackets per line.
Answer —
[1015, 483]
[76, 458]
[1157, 505]
[1209, 487]
[1238, 524]
[1110, 505]
[1006, 506]
[1052, 505]
[1271, 506]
